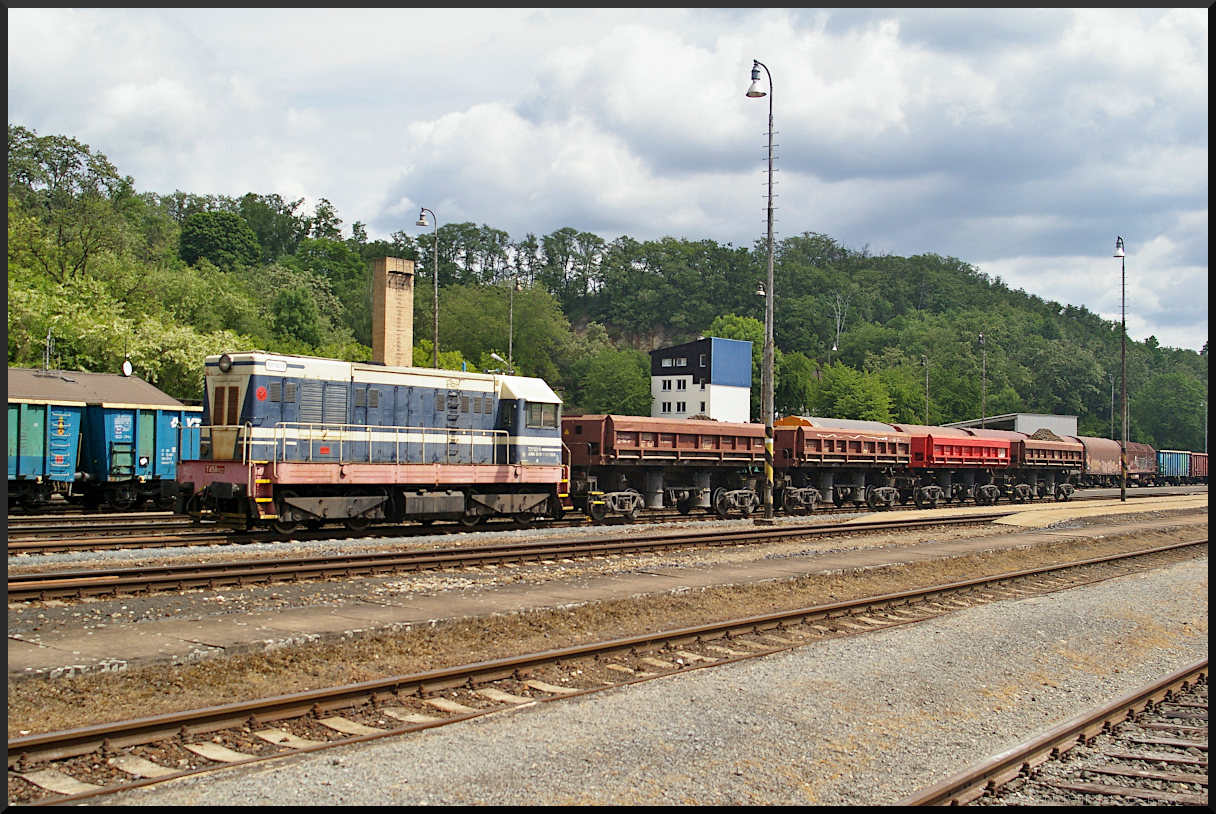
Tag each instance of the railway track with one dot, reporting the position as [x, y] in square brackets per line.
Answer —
[42, 535]
[72, 765]
[1149, 746]
[147, 579]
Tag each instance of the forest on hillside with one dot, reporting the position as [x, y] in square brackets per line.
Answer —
[99, 272]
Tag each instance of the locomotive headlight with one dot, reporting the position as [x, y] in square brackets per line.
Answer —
[225, 363]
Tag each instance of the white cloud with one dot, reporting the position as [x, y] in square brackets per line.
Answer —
[1017, 140]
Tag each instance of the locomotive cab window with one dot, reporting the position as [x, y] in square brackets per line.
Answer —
[542, 416]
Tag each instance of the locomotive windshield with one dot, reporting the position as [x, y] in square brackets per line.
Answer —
[543, 416]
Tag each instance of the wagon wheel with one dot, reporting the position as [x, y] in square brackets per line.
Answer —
[721, 505]
[790, 504]
[635, 507]
[525, 519]
[164, 502]
[597, 510]
[32, 503]
[120, 500]
[684, 506]
[468, 520]
[923, 502]
[288, 519]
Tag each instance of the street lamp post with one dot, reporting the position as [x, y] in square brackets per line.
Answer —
[516, 286]
[766, 408]
[924, 361]
[983, 383]
[1112, 405]
[1123, 356]
[435, 338]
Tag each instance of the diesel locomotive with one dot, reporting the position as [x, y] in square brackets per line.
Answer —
[294, 440]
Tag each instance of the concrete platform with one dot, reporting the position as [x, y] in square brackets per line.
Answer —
[118, 647]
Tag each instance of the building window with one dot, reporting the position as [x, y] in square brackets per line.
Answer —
[702, 407]
[666, 363]
[681, 384]
[667, 384]
[702, 384]
[702, 360]
[682, 362]
[667, 406]
[680, 407]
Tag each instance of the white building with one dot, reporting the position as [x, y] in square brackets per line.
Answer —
[708, 377]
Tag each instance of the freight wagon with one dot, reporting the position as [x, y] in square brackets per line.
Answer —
[623, 464]
[100, 437]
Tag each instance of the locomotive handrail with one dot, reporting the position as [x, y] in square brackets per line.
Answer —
[342, 433]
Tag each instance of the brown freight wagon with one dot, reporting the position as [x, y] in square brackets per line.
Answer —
[622, 464]
[1103, 461]
[1199, 467]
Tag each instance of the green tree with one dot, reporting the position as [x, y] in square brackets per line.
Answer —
[296, 316]
[275, 223]
[82, 206]
[617, 382]
[848, 393]
[1169, 412]
[223, 238]
[795, 391]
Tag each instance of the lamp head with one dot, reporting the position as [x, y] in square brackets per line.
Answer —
[981, 339]
[754, 91]
[497, 358]
[422, 219]
[519, 286]
[1118, 247]
[760, 292]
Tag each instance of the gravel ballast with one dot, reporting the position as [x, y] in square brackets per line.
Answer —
[863, 720]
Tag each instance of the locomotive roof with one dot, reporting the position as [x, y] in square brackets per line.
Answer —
[512, 387]
[74, 387]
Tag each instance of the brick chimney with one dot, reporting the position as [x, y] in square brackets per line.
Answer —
[393, 311]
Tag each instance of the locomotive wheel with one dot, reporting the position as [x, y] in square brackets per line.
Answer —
[288, 519]
[361, 522]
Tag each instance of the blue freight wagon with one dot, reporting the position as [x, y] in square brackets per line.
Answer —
[43, 446]
[128, 437]
[1173, 466]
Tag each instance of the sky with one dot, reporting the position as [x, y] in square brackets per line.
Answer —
[1022, 142]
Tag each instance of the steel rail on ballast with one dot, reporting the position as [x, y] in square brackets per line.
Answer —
[971, 783]
[70, 743]
[93, 582]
